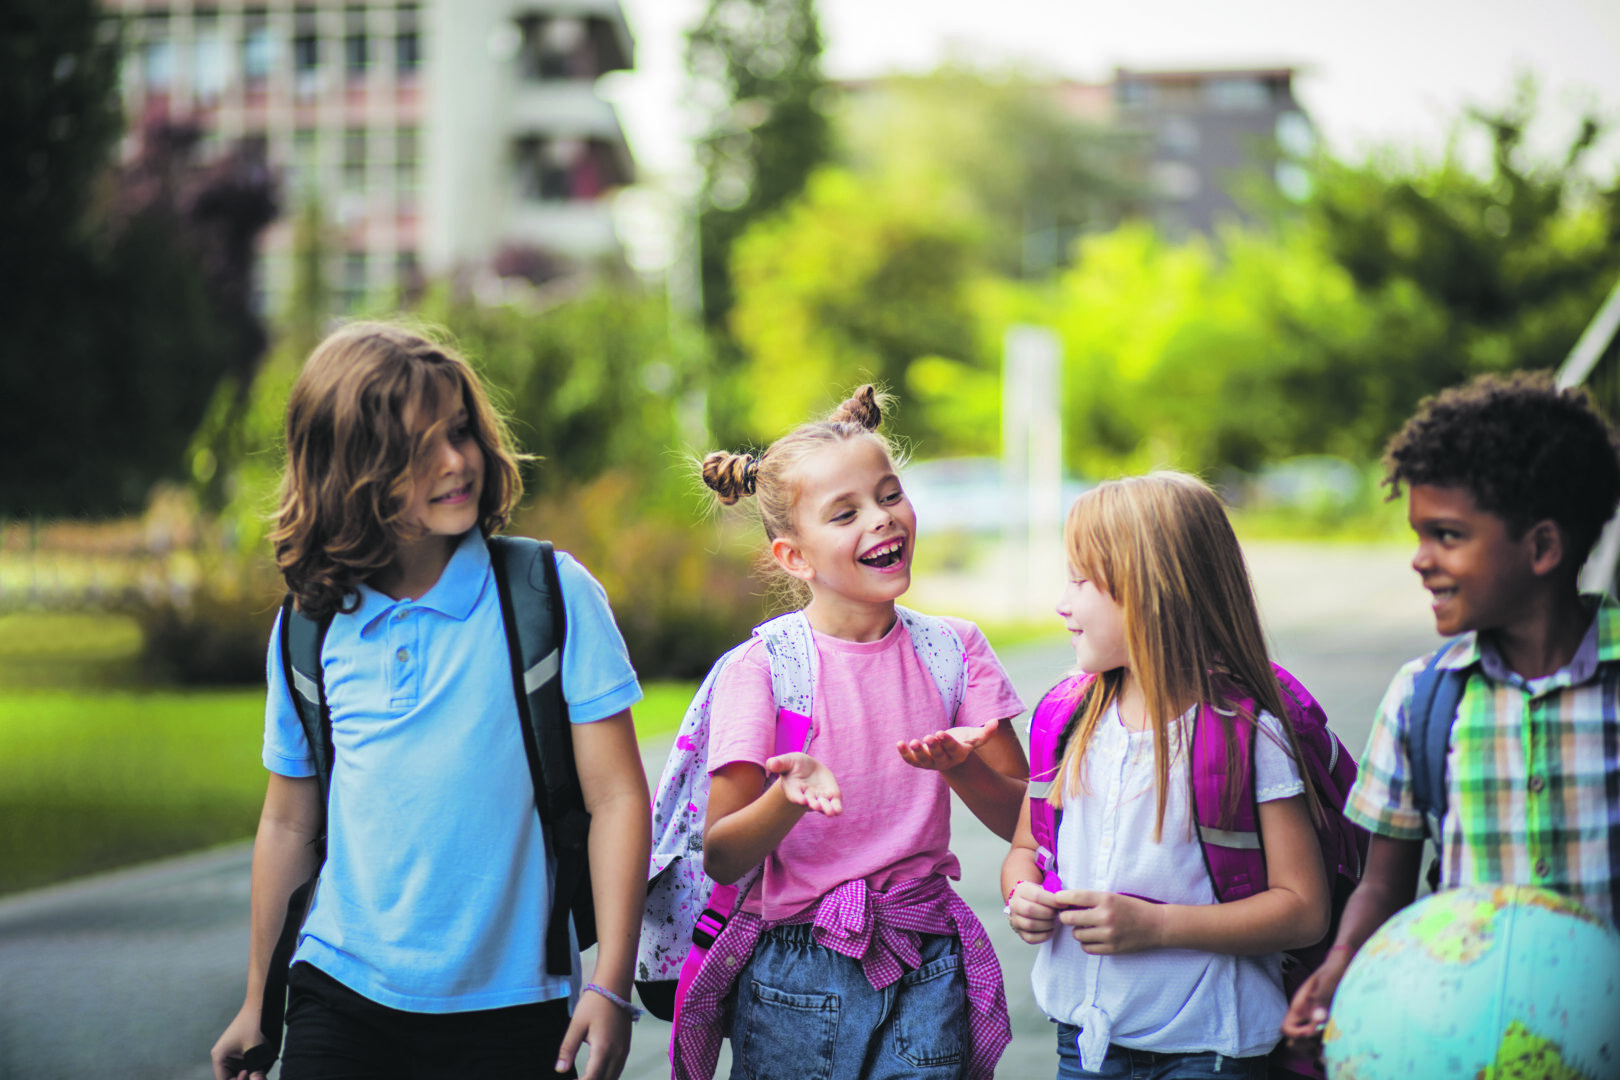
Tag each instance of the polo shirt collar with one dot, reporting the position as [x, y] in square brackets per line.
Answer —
[456, 592]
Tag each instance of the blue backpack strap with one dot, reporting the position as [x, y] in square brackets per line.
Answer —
[1436, 694]
[536, 628]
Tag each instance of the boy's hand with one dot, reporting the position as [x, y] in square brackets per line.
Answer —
[1032, 912]
[1107, 923]
[603, 1025]
[807, 782]
[242, 1034]
[1307, 1014]
[945, 749]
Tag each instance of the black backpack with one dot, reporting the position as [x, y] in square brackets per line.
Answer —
[532, 609]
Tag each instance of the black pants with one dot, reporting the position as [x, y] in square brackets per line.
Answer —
[334, 1033]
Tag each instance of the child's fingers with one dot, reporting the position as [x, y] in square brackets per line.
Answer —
[569, 1047]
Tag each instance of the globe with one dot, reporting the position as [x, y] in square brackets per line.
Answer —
[1504, 983]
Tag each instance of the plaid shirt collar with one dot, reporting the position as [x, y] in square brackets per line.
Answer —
[1600, 645]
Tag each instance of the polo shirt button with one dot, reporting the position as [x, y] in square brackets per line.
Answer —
[1541, 868]
[400, 614]
[402, 655]
[1537, 783]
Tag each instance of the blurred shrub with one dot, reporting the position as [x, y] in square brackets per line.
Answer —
[680, 585]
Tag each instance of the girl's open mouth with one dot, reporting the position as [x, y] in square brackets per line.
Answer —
[885, 555]
[456, 496]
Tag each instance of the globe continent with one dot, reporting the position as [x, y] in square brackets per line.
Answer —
[1503, 983]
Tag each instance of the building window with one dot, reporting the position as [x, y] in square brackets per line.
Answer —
[356, 54]
[405, 161]
[353, 289]
[1174, 180]
[1295, 136]
[354, 160]
[210, 64]
[545, 170]
[1178, 135]
[157, 55]
[1133, 92]
[407, 43]
[305, 173]
[1237, 92]
[556, 48]
[258, 50]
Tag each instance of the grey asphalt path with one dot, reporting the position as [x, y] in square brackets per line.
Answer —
[134, 974]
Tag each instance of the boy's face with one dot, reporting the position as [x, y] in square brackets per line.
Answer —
[1481, 578]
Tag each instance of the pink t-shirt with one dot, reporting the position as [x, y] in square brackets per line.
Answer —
[896, 822]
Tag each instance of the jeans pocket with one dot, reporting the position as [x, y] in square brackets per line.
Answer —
[930, 1014]
[786, 1036]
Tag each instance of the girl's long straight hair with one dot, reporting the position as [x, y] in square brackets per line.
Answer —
[1162, 547]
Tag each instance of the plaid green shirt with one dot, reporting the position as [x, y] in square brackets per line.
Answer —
[1532, 773]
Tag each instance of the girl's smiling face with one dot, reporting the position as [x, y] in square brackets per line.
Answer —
[1096, 625]
[854, 526]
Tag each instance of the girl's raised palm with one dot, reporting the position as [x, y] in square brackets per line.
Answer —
[807, 782]
[946, 749]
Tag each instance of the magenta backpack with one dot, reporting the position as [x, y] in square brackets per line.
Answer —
[1231, 844]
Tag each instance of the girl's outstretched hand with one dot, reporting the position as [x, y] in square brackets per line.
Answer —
[946, 749]
[1032, 912]
[807, 782]
[1108, 923]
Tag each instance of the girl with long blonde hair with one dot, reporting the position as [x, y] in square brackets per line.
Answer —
[1138, 964]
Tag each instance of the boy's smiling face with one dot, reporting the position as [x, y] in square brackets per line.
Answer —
[1480, 576]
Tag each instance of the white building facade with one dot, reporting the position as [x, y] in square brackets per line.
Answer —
[436, 136]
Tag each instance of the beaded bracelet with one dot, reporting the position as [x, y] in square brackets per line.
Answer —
[635, 1013]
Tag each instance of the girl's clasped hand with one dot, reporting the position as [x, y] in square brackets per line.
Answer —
[1103, 923]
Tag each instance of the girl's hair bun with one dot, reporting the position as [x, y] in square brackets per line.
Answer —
[730, 476]
[863, 407]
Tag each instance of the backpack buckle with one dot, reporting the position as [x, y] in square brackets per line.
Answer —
[1044, 859]
[708, 927]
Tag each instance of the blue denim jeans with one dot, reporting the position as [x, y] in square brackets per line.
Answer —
[1125, 1064]
[804, 1012]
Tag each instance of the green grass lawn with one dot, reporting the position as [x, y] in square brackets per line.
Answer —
[91, 780]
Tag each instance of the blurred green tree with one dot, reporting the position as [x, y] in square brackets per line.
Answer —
[853, 282]
[129, 288]
[755, 67]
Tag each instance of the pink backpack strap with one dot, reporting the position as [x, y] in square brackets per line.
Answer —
[1229, 836]
[1046, 728]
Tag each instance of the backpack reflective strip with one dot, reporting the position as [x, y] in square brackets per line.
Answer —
[1241, 841]
[542, 672]
[306, 687]
[1040, 789]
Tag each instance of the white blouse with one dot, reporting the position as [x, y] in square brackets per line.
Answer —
[1164, 1000]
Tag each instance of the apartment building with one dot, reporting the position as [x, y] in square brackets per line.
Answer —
[436, 135]
[1210, 132]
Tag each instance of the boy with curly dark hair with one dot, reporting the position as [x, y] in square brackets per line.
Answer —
[1509, 483]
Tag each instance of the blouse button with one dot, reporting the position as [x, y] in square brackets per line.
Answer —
[402, 655]
[1537, 783]
[1541, 868]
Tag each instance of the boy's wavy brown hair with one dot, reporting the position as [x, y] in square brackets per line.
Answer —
[352, 457]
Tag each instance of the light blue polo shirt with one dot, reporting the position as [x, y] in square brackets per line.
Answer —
[436, 893]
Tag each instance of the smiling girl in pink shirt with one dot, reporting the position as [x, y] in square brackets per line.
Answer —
[851, 956]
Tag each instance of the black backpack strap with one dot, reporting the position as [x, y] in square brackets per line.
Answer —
[301, 641]
[536, 630]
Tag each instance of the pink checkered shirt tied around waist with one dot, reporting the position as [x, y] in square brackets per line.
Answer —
[880, 929]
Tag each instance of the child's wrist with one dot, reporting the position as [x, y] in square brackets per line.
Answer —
[629, 1009]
